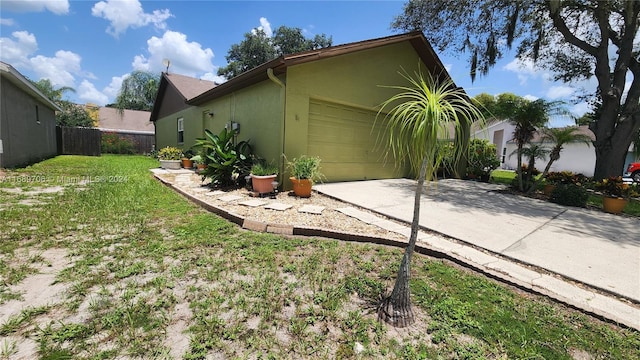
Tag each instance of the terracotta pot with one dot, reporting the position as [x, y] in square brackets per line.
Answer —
[301, 188]
[548, 189]
[262, 184]
[187, 163]
[613, 205]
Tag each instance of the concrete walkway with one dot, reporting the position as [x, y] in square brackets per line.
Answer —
[599, 251]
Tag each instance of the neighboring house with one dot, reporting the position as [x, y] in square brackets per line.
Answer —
[497, 133]
[133, 125]
[27, 121]
[171, 105]
[320, 103]
[576, 157]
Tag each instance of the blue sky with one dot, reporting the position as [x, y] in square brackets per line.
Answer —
[92, 45]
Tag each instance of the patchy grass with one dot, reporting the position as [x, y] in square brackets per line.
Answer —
[502, 176]
[151, 275]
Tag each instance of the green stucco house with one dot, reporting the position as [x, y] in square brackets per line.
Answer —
[320, 103]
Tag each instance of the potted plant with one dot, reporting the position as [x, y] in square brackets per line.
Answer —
[169, 157]
[262, 177]
[187, 163]
[305, 170]
[198, 161]
[615, 193]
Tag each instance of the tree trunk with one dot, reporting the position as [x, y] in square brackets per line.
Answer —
[395, 309]
[519, 169]
[613, 138]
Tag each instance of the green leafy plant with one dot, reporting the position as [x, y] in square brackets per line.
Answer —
[227, 162]
[188, 154]
[615, 187]
[570, 195]
[262, 168]
[305, 167]
[482, 158]
[565, 177]
[170, 153]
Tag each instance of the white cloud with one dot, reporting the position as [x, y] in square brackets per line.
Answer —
[187, 58]
[114, 86]
[16, 51]
[560, 91]
[264, 26]
[7, 22]
[526, 69]
[88, 93]
[128, 14]
[530, 97]
[58, 7]
[580, 109]
[60, 69]
[213, 77]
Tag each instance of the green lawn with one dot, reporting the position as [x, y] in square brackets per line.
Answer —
[150, 275]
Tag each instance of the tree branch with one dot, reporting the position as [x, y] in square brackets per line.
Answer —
[559, 23]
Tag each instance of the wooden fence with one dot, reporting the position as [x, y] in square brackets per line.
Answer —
[78, 141]
[143, 143]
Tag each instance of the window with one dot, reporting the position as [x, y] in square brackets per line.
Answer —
[180, 130]
[37, 115]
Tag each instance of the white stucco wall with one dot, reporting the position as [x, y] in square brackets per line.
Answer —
[575, 157]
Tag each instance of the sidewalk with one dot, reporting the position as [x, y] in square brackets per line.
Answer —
[598, 251]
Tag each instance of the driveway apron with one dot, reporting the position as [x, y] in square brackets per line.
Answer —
[589, 246]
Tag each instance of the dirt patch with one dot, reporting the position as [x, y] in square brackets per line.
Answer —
[177, 338]
[37, 290]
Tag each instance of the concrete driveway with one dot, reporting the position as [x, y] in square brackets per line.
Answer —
[589, 246]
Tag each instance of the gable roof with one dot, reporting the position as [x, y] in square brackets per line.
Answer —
[110, 119]
[188, 87]
[280, 64]
[10, 73]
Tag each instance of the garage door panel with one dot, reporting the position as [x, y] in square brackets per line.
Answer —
[342, 137]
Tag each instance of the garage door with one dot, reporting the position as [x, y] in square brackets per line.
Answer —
[342, 137]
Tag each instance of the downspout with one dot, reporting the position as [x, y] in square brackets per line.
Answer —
[283, 96]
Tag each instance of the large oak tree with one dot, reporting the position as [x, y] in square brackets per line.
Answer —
[576, 39]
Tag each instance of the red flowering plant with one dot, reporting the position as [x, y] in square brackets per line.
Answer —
[616, 188]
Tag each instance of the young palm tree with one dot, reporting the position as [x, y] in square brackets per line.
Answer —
[419, 115]
[527, 117]
[533, 152]
[559, 137]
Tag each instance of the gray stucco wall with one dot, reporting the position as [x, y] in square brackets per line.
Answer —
[27, 128]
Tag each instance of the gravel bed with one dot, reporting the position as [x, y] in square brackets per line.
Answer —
[330, 218]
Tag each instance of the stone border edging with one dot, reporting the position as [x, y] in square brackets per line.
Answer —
[492, 273]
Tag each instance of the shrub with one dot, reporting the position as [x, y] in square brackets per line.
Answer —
[570, 195]
[227, 163]
[113, 144]
[482, 158]
[565, 177]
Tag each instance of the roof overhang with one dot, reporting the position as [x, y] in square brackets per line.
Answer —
[280, 64]
[10, 73]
